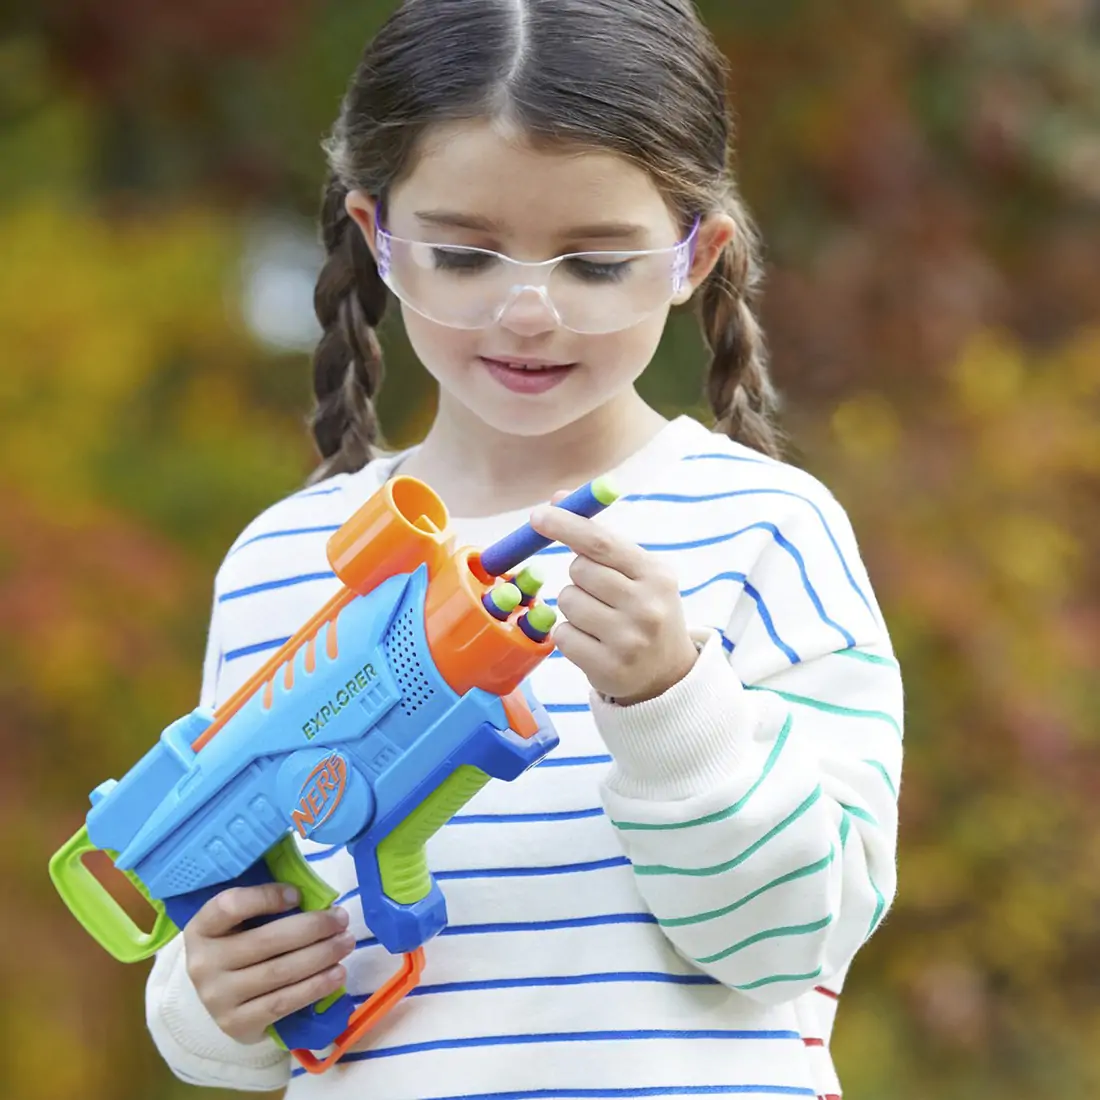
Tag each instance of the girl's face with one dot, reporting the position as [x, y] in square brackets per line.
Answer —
[479, 186]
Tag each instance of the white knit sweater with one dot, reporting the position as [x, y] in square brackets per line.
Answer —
[668, 905]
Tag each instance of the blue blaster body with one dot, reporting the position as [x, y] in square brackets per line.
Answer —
[351, 735]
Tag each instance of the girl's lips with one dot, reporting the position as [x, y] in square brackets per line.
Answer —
[532, 377]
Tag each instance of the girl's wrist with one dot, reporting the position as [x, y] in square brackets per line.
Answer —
[685, 742]
[679, 668]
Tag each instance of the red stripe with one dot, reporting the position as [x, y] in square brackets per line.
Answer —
[827, 993]
[814, 1042]
[831, 1096]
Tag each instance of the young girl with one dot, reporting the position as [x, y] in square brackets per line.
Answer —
[668, 905]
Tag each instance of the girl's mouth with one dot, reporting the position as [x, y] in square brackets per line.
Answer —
[529, 376]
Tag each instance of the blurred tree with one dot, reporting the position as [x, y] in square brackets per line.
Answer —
[925, 173]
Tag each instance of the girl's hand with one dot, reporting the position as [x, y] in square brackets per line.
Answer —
[249, 979]
[626, 628]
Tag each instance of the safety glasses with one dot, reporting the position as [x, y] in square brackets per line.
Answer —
[593, 293]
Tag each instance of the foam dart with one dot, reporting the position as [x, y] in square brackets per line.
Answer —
[529, 582]
[503, 556]
[502, 600]
[538, 622]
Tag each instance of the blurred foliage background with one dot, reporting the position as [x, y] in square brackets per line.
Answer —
[927, 177]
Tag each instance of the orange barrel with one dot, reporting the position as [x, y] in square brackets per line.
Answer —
[470, 647]
[402, 526]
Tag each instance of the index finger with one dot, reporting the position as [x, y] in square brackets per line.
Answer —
[590, 540]
[226, 911]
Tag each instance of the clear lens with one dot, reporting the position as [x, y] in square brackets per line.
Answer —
[471, 288]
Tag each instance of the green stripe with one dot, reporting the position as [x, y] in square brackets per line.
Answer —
[870, 658]
[704, 872]
[878, 908]
[780, 978]
[720, 815]
[770, 934]
[714, 914]
[881, 769]
[832, 708]
[863, 815]
[845, 825]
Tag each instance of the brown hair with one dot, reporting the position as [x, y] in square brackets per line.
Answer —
[641, 78]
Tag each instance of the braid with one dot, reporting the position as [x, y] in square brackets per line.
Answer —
[739, 386]
[350, 300]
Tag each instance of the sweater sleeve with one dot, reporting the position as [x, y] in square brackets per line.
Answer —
[196, 1049]
[757, 798]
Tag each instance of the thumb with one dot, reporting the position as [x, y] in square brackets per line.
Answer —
[559, 496]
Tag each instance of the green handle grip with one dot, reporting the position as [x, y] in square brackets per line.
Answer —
[288, 866]
[402, 862]
[95, 908]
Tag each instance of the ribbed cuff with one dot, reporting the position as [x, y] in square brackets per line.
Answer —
[193, 1045]
[684, 742]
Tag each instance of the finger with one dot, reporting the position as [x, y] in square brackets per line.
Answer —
[279, 937]
[559, 496]
[287, 970]
[587, 613]
[586, 537]
[232, 907]
[608, 585]
[260, 1013]
[586, 652]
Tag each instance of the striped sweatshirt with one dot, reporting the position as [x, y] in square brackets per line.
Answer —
[667, 906]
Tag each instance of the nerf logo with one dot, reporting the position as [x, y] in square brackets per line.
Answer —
[355, 686]
[321, 794]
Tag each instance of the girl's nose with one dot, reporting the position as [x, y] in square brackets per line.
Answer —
[530, 312]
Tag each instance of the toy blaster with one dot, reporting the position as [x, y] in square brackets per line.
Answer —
[371, 727]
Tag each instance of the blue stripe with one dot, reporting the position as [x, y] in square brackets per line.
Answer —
[516, 872]
[600, 920]
[477, 1041]
[268, 586]
[676, 498]
[572, 761]
[285, 534]
[316, 493]
[765, 618]
[623, 976]
[782, 541]
[815, 599]
[495, 819]
[259, 647]
[623, 1094]
[761, 461]
[567, 708]
[534, 872]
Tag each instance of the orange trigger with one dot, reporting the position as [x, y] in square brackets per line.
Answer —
[369, 1013]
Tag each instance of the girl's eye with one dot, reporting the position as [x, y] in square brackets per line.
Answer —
[462, 260]
[593, 271]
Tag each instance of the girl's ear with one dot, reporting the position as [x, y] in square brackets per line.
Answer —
[363, 210]
[715, 234]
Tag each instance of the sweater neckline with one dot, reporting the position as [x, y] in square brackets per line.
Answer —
[672, 439]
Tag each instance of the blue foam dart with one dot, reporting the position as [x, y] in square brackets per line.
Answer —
[504, 556]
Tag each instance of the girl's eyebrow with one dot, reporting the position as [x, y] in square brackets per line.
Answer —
[602, 231]
[454, 220]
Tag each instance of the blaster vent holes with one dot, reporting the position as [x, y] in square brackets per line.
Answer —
[184, 875]
[405, 664]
